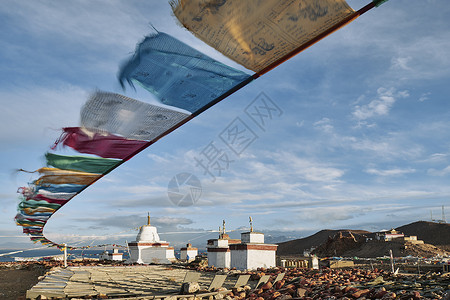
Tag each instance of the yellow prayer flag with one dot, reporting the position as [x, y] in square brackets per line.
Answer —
[71, 179]
[255, 33]
[58, 176]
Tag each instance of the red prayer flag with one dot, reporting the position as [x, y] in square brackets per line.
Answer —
[107, 146]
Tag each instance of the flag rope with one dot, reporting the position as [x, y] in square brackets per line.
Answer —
[344, 22]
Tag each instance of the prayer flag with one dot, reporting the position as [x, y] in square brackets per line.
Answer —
[37, 204]
[59, 172]
[56, 196]
[177, 74]
[81, 163]
[256, 34]
[57, 176]
[116, 114]
[59, 188]
[75, 179]
[37, 210]
[49, 200]
[108, 146]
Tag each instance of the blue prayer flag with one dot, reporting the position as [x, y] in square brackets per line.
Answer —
[177, 74]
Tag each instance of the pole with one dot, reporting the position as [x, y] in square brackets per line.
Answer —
[392, 261]
[128, 249]
[65, 255]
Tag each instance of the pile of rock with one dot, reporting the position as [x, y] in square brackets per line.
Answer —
[343, 284]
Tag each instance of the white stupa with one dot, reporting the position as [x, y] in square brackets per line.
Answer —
[219, 249]
[148, 248]
[252, 253]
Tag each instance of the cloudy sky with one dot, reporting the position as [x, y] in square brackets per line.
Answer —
[358, 136]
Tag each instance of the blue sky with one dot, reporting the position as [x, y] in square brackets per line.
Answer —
[360, 139]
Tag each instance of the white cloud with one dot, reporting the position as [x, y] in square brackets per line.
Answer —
[300, 124]
[389, 147]
[401, 63]
[327, 215]
[380, 106]
[85, 23]
[445, 171]
[424, 97]
[436, 157]
[390, 172]
[324, 124]
[38, 111]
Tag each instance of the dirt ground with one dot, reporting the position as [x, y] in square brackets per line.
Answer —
[16, 280]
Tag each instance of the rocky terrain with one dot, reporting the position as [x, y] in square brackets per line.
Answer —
[296, 247]
[16, 279]
[347, 284]
[437, 234]
[351, 243]
[346, 244]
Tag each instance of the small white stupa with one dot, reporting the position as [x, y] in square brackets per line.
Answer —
[115, 255]
[252, 253]
[188, 253]
[148, 248]
[219, 251]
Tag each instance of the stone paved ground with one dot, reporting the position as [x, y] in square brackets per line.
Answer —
[148, 282]
[112, 281]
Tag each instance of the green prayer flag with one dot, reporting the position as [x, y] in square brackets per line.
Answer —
[95, 165]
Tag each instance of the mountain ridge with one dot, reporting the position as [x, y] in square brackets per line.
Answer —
[435, 234]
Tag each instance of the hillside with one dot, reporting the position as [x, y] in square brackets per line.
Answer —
[352, 242]
[351, 245]
[431, 233]
[296, 247]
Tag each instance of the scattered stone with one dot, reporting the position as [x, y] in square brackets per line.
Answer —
[190, 288]
[300, 293]
[267, 286]
[284, 297]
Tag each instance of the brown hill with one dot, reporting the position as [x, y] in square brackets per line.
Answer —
[296, 247]
[340, 243]
[346, 246]
[437, 234]
[352, 242]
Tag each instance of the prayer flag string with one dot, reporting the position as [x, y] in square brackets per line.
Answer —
[114, 128]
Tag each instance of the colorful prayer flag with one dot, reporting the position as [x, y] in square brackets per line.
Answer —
[58, 188]
[256, 34]
[107, 146]
[177, 74]
[57, 176]
[81, 163]
[119, 115]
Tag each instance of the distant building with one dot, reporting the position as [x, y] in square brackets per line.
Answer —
[298, 262]
[252, 253]
[412, 240]
[188, 253]
[218, 253]
[249, 252]
[446, 267]
[148, 248]
[389, 235]
[114, 256]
